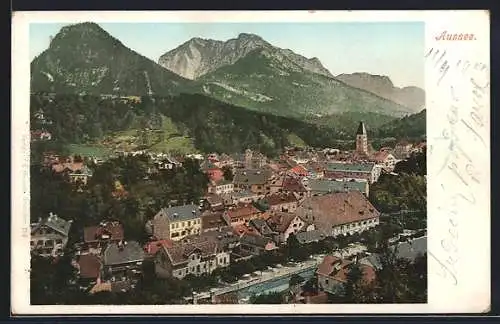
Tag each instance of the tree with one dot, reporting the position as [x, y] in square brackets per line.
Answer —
[295, 280]
[228, 173]
[295, 250]
[311, 285]
[269, 298]
[354, 286]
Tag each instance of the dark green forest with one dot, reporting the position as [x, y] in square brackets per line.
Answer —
[214, 126]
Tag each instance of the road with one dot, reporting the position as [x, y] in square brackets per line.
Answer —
[279, 271]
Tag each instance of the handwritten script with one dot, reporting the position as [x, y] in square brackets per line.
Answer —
[466, 87]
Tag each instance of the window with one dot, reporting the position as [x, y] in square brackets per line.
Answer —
[189, 223]
[326, 281]
[175, 234]
[183, 224]
[198, 269]
[225, 260]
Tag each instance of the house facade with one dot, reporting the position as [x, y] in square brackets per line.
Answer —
[402, 150]
[256, 244]
[243, 213]
[175, 223]
[221, 187]
[243, 197]
[254, 180]
[122, 260]
[333, 272]
[97, 237]
[284, 202]
[196, 258]
[352, 171]
[385, 160]
[340, 213]
[49, 236]
[80, 175]
[325, 186]
[285, 224]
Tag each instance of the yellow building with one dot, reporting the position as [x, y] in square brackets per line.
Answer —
[175, 223]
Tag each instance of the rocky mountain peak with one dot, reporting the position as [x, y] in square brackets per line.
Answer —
[382, 85]
[198, 57]
[249, 36]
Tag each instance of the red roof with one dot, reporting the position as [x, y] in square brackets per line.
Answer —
[280, 198]
[338, 208]
[153, 247]
[380, 156]
[299, 170]
[338, 269]
[60, 167]
[243, 211]
[94, 233]
[243, 229]
[293, 185]
[90, 266]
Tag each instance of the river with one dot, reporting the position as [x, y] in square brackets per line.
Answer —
[278, 284]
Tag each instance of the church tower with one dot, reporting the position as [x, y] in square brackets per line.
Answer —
[361, 140]
[248, 159]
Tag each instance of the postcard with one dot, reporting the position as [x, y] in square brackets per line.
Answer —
[246, 162]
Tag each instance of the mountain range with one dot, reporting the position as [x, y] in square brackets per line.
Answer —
[84, 58]
[246, 71]
[198, 56]
[299, 95]
[411, 97]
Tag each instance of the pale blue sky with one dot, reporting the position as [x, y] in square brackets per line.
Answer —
[392, 49]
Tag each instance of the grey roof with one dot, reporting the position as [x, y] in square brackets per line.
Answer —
[251, 176]
[242, 194]
[359, 167]
[225, 236]
[131, 252]
[310, 236]
[56, 223]
[85, 170]
[412, 249]
[180, 213]
[255, 240]
[361, 129]
[407, 250]
[325, 185]
[261, 226]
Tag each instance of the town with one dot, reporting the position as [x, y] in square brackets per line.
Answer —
[311, 226]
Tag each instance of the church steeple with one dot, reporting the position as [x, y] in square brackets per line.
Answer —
[361, 129]
[361, 140]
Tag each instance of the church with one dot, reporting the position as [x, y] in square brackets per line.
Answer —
[364, 151]
[362, 141]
